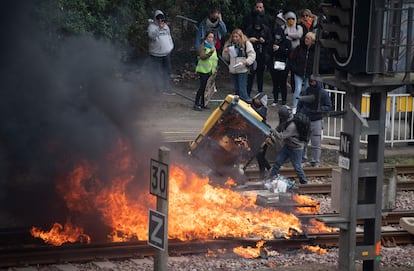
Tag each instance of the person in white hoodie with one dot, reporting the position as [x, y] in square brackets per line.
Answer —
[160, 47]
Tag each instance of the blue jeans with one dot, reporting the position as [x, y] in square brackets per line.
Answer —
[240, 85]
[298, 88]
[295, 157]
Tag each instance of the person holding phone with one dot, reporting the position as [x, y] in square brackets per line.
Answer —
[160, 47]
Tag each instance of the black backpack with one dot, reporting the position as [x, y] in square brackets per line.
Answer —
[302, 123]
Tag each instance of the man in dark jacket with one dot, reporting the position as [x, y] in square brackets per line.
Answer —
[292, 147]
[302, 65]
[314, 106]
[260, 36]
[259, 10]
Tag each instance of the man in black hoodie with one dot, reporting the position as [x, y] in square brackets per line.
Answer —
[259, 10]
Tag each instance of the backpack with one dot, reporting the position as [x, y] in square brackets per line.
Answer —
[302, 123]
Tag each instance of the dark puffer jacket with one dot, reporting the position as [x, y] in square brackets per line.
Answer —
[302, 60]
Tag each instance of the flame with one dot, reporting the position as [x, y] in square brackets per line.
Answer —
[307, 201]
[197, 210]
[315, 249]
[230, 183]
[251, 252]
[212, 212]
[317, 227]
[59, 234]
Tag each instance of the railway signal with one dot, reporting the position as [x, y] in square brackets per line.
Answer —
[345, 29]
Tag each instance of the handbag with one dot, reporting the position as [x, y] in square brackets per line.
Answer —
[279, 65]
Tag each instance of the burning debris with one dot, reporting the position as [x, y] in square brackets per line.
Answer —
[231, 136]
[59, 234]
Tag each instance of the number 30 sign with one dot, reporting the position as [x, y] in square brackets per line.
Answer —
[159, 179]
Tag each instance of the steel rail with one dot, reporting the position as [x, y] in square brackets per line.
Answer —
[43, 255]
[388, 218]
[322, 171]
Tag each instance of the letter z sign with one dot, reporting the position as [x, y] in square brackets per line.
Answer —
[157, 230]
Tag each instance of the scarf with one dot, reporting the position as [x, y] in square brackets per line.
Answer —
[307, 23]
[210, 25]
[208, 45]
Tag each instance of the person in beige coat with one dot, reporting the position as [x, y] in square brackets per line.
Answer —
[239, 53]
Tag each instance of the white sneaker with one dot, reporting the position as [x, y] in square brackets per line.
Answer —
[274, 104]
[294, 110]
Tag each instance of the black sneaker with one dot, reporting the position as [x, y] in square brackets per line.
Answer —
[205, 107]
[197, 108]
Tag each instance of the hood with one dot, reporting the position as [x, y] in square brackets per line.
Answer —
[280, 17]
[158, 12]
[290, 14]
[262, 97]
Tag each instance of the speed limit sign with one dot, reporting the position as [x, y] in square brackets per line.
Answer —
[159, 179]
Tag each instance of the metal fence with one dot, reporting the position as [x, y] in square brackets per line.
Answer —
[399, 121]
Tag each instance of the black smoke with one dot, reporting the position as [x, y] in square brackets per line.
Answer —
[57, 107]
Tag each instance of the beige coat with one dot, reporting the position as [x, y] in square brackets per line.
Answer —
[251, 57]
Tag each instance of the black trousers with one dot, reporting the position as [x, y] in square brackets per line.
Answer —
[199, 100]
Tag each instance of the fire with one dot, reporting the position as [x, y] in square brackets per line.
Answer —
[318, 226]
[251, 252]
[315, 249]
[255, 252]
[197, 210]
[213, 212]
[59, 234]
[306, 201]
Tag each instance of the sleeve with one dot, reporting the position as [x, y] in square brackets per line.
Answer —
[251, 54]
[202, 53]
[199, 36]
[224, 54]
[153, 31]
[326, 104]
[222, 28]
[286, 133]
[297, 34]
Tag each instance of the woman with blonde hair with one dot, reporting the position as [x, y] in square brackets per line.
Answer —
[239, 53]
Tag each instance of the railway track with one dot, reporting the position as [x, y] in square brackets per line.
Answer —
[41, 254]
[324, 188]
[45, 255]
[32, 252]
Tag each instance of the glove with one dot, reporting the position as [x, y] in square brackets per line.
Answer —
[271, 139]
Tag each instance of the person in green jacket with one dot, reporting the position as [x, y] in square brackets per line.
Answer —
[206, 66]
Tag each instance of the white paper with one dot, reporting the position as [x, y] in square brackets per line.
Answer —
[237, 65]
[278, 65]
[232, 51]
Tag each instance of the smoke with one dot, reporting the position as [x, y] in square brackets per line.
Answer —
[56, 108]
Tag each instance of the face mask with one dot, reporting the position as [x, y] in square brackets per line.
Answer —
[213, 20]
[291, 22]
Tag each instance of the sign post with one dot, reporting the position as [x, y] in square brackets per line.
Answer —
[158, 220]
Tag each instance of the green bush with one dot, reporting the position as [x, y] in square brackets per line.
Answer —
[125, 22]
